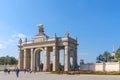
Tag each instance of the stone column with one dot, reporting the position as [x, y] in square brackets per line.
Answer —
[48, 61]
[25, 59]
[66, 61]
[32, 59]
[55, 58]
[28, 58]
[37, 61]
[20, 59]
[46, 66]
[38, 64]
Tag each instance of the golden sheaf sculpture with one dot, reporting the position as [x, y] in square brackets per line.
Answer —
[41, 30]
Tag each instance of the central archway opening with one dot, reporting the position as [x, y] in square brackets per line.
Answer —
[39, 60]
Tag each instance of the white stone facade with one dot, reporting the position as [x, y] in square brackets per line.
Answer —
[108, 67]
[29, 51]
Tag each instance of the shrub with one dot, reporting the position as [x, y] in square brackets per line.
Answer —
[86, 72]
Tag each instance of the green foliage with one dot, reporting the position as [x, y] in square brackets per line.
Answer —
[117, 54]
[86, 72]
[8, 60]
[105, 57]
[100, 58]
[59, 72]
[61, 67]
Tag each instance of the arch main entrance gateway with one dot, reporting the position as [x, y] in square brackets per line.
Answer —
[30, 51]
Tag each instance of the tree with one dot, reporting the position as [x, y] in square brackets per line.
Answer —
[107, 56]
[8, 60]
[61, 67]
[117, 54]
[100, 58]
[51, 66]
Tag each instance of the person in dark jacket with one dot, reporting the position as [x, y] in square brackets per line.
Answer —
[17, 72]
[8, 71]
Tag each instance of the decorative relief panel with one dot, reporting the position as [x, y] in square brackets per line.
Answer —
[39, 40]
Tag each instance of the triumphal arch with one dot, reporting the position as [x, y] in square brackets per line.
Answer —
[30, 50]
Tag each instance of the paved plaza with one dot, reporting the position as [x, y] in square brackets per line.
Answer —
[47, 76]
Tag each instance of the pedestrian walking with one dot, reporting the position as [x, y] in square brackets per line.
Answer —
[17, 72]
[30, 71]
[8, 71]
[5, 70]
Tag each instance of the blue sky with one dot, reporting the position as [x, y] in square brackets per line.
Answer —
[96, 23]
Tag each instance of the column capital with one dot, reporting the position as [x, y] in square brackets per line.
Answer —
[25, 49]
[66, 47]
[31, 48]
[55, 48]
[45, 48]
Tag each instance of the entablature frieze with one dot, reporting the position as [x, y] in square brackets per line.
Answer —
[39, 43]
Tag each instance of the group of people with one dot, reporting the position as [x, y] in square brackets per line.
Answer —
[27, 70]
[16, 70]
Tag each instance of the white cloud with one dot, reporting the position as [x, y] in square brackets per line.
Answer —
[2, 46]
[13, 40]
[18, 35]
[22, 36]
